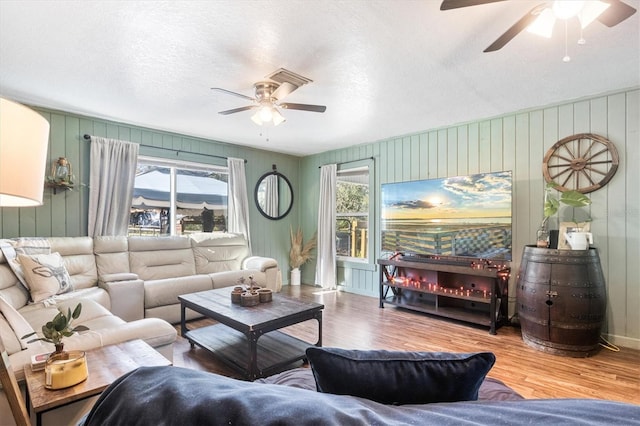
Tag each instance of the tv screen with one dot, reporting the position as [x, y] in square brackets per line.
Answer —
[466, 216]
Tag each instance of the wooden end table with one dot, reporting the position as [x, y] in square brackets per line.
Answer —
[105, 365]
[247, 338]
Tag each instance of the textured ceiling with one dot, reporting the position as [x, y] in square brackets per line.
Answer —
[382, 68]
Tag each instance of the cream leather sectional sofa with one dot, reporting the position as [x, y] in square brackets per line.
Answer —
[129, 287]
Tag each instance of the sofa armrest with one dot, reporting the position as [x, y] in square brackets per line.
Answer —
[122, 276]
[259, 263]
[127, 295]
[269, 267]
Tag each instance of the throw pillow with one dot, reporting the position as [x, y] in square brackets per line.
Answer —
[18, 324]
[14, 247]
[46, 275]
[394, 377]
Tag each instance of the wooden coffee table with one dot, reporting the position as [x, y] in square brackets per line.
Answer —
[105, 365]
[247, 338]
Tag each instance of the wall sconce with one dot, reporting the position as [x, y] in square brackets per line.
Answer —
[61, 175]
[24, 136]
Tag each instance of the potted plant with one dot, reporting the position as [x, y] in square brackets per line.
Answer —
[571, 198]
[60, 327]
[299, 254]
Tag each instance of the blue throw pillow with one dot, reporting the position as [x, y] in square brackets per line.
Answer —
[395, 377]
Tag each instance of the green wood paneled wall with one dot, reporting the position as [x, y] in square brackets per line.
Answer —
[65, 213]
[516, 142]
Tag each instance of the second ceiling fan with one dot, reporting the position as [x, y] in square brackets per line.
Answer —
[269, 95]
[543, 16]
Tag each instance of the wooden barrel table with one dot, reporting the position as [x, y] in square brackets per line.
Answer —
[561, 298]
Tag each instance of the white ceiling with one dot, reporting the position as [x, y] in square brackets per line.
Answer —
[383, 68]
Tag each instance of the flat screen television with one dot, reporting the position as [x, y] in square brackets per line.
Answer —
[462, 216]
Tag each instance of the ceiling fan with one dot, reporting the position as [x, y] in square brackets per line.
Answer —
[541, 18]
[269, 95]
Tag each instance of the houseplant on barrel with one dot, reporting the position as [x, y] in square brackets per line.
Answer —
[299, 254]
[570, 198]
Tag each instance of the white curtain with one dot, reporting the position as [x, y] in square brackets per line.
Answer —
[111, 180]
[238, 204]
[271, 196]
[326, 259]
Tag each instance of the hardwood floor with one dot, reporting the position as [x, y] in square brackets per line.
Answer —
[355, 322]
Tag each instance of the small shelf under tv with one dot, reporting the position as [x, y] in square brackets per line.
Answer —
[462, 289]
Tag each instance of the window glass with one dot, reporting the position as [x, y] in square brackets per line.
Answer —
[352, 213]
[178, 198]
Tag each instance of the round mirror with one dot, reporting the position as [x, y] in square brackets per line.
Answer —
[274, 195]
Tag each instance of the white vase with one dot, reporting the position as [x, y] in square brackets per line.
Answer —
[295, 277]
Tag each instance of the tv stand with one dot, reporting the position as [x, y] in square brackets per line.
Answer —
[471, 291]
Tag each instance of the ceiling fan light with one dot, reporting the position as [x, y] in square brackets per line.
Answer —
[266, 113]
[565, 9]
[256, 118]
[277, 117]
[590, 11]
[543, 25]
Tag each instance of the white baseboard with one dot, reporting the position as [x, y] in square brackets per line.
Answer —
[627, 342]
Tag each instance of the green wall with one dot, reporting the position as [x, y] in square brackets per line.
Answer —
[514, 142]
[517, 142]
[65, 213]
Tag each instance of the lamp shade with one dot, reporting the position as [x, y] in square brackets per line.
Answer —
[24, 136]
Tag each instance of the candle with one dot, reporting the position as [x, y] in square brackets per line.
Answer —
[65, 369]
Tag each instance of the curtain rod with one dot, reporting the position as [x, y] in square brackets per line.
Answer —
[87, 137]
[352, 161]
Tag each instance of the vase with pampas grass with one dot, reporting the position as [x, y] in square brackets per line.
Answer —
[299, 254]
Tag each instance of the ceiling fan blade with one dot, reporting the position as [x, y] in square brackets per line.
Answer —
[229, 92]
[233, 111]
[616, 13]
[283, 90]
[455, 4]
[516, 28]
[304, 107]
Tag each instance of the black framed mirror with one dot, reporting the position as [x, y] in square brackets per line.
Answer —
[273, 195]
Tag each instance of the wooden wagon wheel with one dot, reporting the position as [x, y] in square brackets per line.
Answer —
[583, 162]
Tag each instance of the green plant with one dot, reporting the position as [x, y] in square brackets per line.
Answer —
[571, 198]
[59, 327]
[300, 253]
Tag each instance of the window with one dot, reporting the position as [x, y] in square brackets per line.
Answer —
[176, 198]
[352, 213]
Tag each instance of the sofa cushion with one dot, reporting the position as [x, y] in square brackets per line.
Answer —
[230, 278]
[218, 252]
[12, 248]
[79, 259]
[45, 274]
[112, 254]
[165, 292]
[396, 377]
[156, 258]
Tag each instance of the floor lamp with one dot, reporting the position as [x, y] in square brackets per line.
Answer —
[24, 137]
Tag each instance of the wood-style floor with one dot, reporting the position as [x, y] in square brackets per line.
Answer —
[355, 322]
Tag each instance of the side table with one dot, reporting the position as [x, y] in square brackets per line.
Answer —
[105, 365]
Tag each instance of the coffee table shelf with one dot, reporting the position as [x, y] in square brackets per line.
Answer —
[276, 348]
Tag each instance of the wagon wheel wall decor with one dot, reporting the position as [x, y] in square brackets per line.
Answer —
[583, 162]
